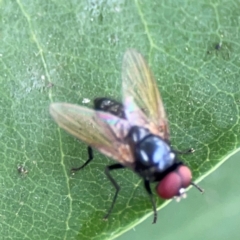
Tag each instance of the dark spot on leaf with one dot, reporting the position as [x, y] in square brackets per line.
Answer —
[50, 85]
[218, 46]
[22, 170]
[100, 17]
[220, 50]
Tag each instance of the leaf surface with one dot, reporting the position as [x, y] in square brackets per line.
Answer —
[71, 51]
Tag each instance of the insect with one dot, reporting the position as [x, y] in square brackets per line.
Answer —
[22, 170]
[137, 136]
[218, 46]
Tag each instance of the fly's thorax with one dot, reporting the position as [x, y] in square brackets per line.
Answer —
[136, 134]
[153, 156]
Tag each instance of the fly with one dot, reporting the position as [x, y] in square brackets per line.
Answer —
[135, 133]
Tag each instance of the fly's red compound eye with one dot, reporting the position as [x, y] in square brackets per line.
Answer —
[171, 184]
[185, 175]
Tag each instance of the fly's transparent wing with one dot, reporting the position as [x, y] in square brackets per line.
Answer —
[100, 130]
[140, 94]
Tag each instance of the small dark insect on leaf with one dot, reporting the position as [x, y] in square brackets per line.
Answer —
[21, 169]
[218, 46]
[134, 133]
[50, 85]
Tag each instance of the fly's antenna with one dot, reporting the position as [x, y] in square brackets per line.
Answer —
[197, 187]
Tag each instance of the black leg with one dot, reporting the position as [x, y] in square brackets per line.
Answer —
[187, 151]
[90, 158]
[149, 191]
[114, 183]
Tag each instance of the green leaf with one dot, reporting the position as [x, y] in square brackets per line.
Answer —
[71, 51]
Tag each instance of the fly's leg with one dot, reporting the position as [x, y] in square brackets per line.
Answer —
[90, 158]
[114, 183]
[149, 191]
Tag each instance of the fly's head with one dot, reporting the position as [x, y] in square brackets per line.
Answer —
[157, 162]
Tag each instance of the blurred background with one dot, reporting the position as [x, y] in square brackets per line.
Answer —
[213, 215]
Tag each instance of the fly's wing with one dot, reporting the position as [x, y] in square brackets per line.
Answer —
[142, 100]
[100, 130]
